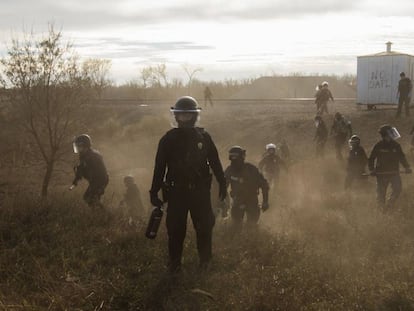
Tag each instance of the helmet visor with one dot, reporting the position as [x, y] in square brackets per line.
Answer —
[75, 148]
[184, 118]
[393, 133]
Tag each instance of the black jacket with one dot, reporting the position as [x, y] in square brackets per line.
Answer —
[92, 168]
[341, 128]
[246, 182]
[404, 87]
[357, 160]
[386, 158]
[321, 134]
[271, 163]
[324, 95]
[184, 158]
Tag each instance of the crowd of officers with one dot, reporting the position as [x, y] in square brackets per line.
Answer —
[187, 159]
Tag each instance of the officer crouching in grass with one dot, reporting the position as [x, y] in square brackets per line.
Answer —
[91, 168]
[184, 158]
[245, 181]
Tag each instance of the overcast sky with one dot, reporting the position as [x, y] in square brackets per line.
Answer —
[228, 39]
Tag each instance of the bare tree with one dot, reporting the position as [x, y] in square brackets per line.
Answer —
[155, 76]
[47, 87]
[191, 72]
[97, 70]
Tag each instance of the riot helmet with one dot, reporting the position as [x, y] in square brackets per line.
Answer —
[354, 141]
[81, 143]
[389, 132]
[185, 112]
[237, 153]
[318, 120]
[129, 180]
[271, 148]
[338, 116]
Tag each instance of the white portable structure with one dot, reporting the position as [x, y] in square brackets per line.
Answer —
[378, 76]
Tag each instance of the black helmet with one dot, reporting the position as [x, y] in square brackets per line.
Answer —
[129, 180]
[354, 140]
[186, 104]
[318, 118]
[384, 129]
[83, 140]
[389, 131]
[237, 152]
[338, 115]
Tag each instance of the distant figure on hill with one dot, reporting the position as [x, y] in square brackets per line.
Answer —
[341, 130]
[323, 97]
[208, 96]
[405, 87]
[92, 168]
[132, 198]
[321, 136]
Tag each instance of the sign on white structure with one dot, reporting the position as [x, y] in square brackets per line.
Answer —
[378, 76]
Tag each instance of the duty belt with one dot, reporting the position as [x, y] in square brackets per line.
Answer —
[182, 185]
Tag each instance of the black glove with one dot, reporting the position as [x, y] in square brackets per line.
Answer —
[408, 170]
[222, 191]
[155, 200]
[265, 206]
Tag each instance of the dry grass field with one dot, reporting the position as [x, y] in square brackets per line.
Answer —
[316, 248]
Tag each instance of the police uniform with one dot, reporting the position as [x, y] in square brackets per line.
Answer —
[92, 168]
[132, 200]
[245, 184]
[183, 160]
[270, 166]
[321, 136]
[404, 89]
[322, 99]
[385, 160]
[357, 160]
[341, 129]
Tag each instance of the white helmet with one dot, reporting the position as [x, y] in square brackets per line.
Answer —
[270, 146]
[325, 83]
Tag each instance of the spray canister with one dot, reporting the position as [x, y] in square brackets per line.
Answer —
[154, 223]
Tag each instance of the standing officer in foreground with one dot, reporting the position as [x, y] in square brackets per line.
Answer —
[245, 181]
[183, 161]
[92, 168]
[384, 163]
